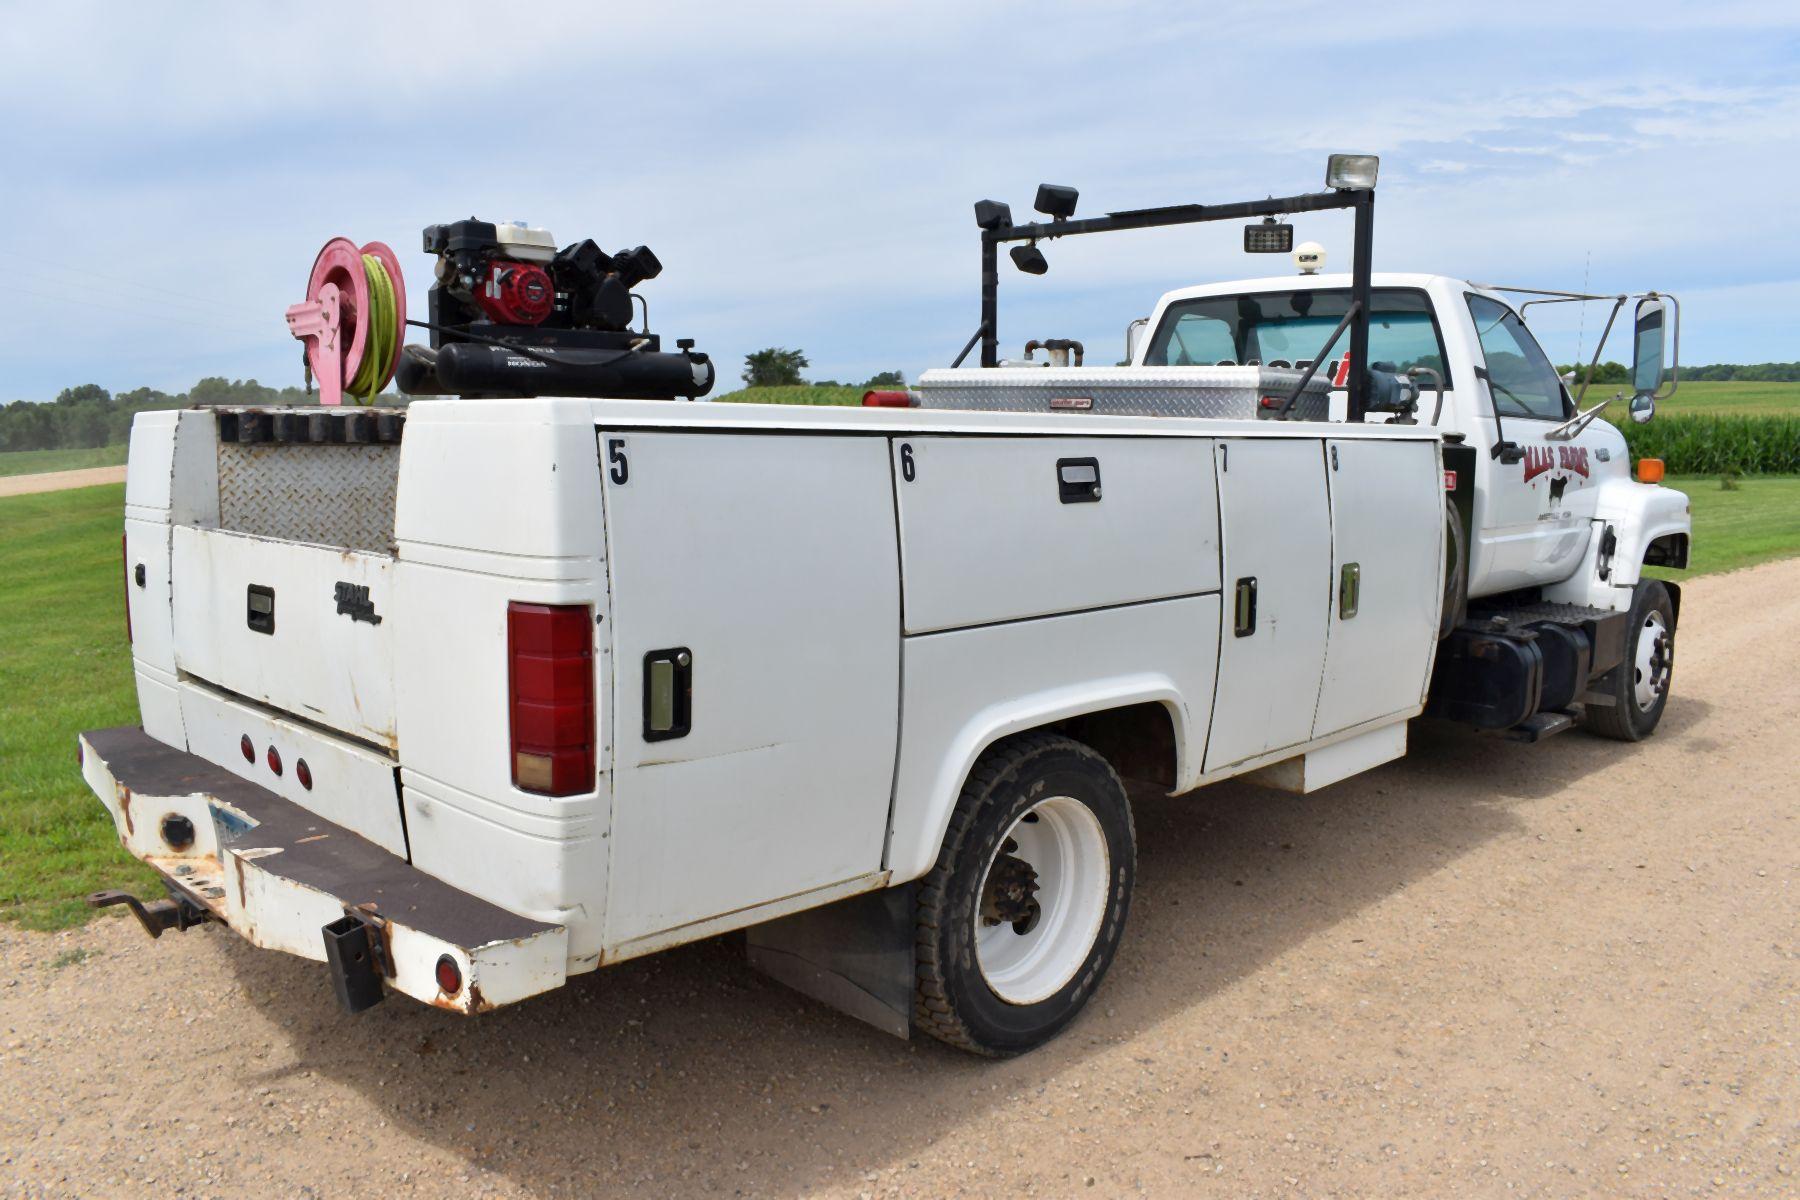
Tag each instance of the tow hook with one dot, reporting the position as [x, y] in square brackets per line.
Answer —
[176, 912]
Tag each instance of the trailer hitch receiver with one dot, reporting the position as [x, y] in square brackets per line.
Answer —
[176, 912]
[357, 957]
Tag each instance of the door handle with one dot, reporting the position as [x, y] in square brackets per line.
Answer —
[668, 694]
[1349, 590]
[1243, 619]
[1078, 480]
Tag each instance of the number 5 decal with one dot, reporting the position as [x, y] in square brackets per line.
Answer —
[907, 471]
[615, 454]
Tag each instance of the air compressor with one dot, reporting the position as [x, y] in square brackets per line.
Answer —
[510, 316]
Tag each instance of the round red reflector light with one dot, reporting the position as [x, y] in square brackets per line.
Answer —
[274, 760]
[449, 975]
[303, 773]
[249, 750]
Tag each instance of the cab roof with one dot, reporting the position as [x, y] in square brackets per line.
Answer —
[1297, 282]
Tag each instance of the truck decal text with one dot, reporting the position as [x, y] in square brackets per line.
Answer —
[1539, 459]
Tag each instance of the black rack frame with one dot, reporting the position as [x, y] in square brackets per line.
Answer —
[1360, 201]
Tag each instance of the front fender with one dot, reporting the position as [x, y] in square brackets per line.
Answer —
[1638, 514]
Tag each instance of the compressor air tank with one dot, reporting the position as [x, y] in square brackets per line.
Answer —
[513, 316]
[476, 369]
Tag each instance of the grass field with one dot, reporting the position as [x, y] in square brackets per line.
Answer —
[1728, 397]
[65, 667]
[32, 462]
[1756, 522]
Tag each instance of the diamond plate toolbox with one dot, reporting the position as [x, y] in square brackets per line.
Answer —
[1216, 393]
[329, 495]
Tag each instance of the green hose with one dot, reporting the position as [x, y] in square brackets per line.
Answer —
[376, 368]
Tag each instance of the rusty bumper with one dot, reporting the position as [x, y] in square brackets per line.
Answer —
[278, 874]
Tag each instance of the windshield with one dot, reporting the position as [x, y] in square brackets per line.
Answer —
[1288, 329]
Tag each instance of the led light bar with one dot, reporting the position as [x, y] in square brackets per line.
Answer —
[1268, 236]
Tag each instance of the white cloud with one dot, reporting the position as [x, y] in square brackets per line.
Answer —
[805, 171]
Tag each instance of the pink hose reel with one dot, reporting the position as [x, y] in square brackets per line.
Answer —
[335, 318]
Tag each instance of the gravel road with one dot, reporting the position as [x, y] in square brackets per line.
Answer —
[1489, 970]
[59, 481]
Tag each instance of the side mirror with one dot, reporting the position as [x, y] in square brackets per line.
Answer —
[1649, 353]
[1132, 332]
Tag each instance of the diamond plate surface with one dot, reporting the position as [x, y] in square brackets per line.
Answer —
[1215, 393]
[327, 495]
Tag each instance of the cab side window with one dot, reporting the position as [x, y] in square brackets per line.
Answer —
[1523, 381]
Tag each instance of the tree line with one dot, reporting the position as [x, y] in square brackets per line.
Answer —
[1612, 372]
[89, 415]
[776, 367]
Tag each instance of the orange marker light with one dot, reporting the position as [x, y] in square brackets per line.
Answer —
[1650, 470]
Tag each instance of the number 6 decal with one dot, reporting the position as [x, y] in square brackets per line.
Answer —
[907, 471]
[615, 454]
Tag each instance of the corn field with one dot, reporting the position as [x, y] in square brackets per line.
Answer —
[1718, 445]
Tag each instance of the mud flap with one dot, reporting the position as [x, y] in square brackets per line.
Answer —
[855, 955]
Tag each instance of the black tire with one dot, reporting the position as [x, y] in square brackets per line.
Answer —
[1456, 573]
[1627, 719]
[953, 1000]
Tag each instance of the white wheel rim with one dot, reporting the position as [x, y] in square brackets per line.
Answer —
[1653, 662]
[1061, 841]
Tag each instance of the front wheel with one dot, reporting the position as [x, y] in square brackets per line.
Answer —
[1022, 914]
[1639, 685]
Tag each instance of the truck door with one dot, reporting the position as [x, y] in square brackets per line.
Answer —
[1387, 561]
[1532, 516]
[1275, 525]
[756, 641]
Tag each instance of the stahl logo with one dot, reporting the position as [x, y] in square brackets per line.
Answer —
[353, 601]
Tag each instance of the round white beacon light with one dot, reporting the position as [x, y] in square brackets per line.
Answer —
[1309, 257]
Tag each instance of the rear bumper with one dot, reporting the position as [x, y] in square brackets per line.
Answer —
[278, 874]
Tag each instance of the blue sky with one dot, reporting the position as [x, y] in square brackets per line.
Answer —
[805, 172]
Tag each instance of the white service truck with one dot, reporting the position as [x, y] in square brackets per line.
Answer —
[473, 696]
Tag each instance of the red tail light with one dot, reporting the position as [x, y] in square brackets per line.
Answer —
[125, 565]
[882, 399]
[550, 649]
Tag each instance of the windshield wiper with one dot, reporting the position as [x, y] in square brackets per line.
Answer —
[1572, 428]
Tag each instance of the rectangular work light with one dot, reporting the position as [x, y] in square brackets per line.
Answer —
[1268, 237]
[1351, 172]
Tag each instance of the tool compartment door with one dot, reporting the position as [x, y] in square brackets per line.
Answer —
[1277, 584]
[1003, 529]
[1387, 531]
[763, 766]
[297, 627]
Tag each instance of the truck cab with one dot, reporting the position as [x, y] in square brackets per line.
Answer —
[1554, 507]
